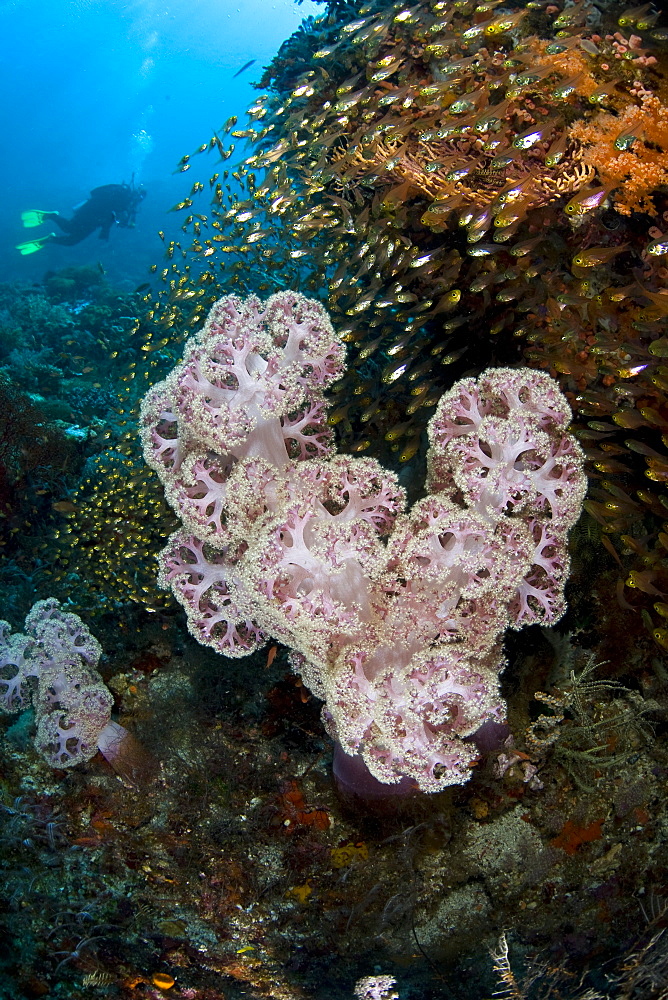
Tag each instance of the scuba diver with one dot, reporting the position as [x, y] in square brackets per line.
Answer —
[107, 206]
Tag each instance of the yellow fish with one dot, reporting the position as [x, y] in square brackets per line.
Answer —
[586, 201]
[597, 255]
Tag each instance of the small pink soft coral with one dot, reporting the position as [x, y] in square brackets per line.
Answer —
[54, 665]
[56, 670]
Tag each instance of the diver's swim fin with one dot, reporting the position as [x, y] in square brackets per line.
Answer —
[35, 217]
[32, 246]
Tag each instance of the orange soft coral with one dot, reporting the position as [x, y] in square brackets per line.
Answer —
[634, 173]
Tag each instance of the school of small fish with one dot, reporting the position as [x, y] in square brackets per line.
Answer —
[426, 170]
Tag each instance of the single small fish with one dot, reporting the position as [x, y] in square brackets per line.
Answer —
[557, 150]
[476, 30]
[452, 356]
[657, 247]
[531, 136]
[585, 201]
[423, 369]
[483, 250]
[324, 53]
[258, 234]
[349, 85]
[492, 118]
[444, 207]
[407, 16]
[468, 103]
[511, 192]
[455, 67]
[643, 580]
[660, 636]
[511, 292]
[532, 75]
[475, 235]
[410, 448]
[512, 212]
[354, 26]
[347, 103]
[448, 301]
[562, 45]
[481, 219]
[457, 175]
[484, 8]
[502, 161]
[64, 507]
[618, 294]
[625, 140]
[521, 249]
[567, 88]
[503, 23]
[599, 95]
[370, 411]
[597, 255]
[453, 324]
[271, 656]
[630, 372]
[661, 301]
[394, 371]
[480, 283]
[398, 431]
[244, 67]
[641, 448]
[569, 17]
[339, 414]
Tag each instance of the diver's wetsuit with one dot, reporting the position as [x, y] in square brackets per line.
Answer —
[108, 205]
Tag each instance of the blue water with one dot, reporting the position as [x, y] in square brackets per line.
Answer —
[96, 90]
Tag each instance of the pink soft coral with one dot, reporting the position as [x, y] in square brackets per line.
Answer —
[54, 665]
[394, 619]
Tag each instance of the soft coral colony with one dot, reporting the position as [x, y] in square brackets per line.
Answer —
[421, 167]
[394, 617]
[629, 151]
